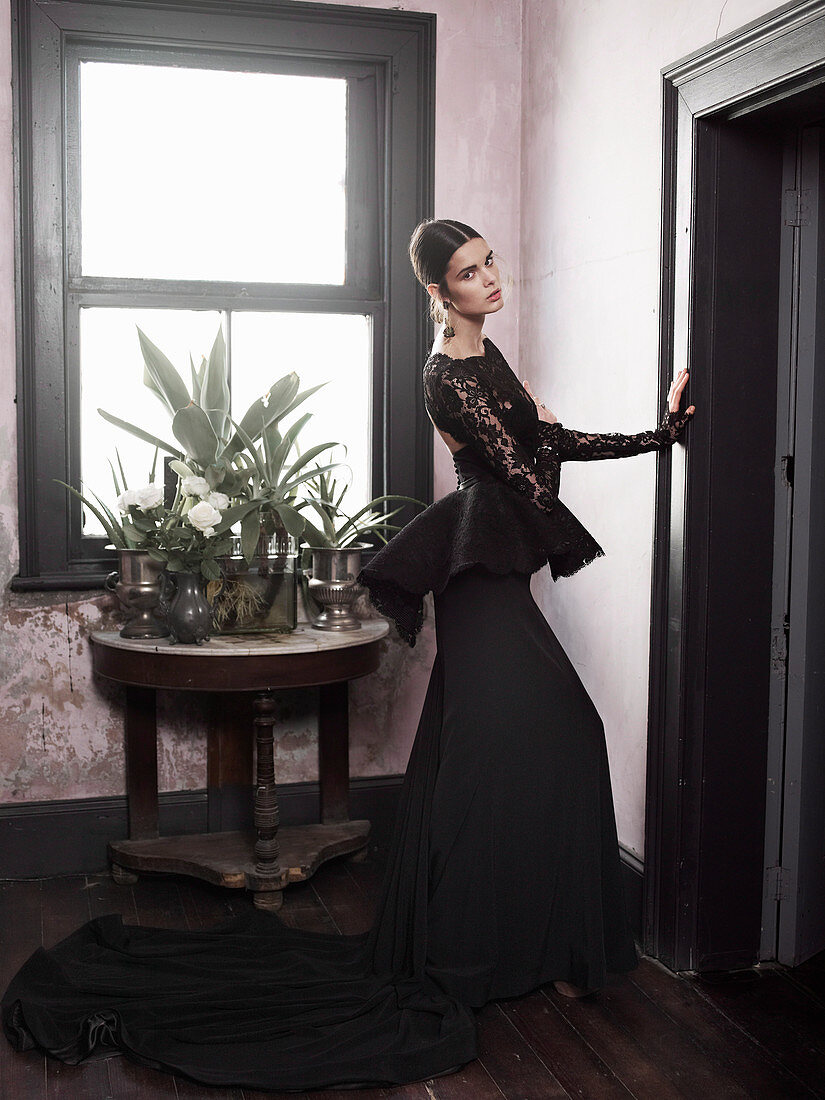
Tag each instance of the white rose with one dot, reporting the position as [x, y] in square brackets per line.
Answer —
[218, 500]
[195, 486]
[204, 517]
[126, 500]
[149, 497]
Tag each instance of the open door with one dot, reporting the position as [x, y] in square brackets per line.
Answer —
[793, 926]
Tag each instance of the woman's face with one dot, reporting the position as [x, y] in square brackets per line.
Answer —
[472, 280]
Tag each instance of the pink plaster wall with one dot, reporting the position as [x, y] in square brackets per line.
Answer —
[60, 731]
[590, 202]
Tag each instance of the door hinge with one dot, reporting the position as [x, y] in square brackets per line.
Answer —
[787, 469]
[777, 882]
[797, 207]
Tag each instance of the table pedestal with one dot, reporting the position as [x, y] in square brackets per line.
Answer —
[270, 857]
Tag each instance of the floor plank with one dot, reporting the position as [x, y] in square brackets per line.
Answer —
[755, 1070]
[656, 1036]
[510, 1061]
[89, 1081]
[792, 1028]
[130, 1081]
[344, 899]
[106, 897]
[579, 1068]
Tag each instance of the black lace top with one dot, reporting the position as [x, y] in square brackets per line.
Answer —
[505, 512]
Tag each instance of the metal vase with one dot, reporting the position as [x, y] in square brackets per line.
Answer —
[189, 615]
[137, 584]
[333, 585]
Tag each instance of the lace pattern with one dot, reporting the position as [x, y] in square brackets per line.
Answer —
[506, 513]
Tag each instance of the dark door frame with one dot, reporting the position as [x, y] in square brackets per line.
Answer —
[705, 800]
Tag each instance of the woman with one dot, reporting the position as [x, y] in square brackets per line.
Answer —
[504, 869]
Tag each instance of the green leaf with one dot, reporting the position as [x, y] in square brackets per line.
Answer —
[258, 416]
[292, 431]
[191, 427]
[164, 379]
[215, 476]
[236, 512]
[306, 476]
[210, 569]
[122, 471]
[329, 529]
[291, 519]
[214, 398]
[223, 546]
[308, 456]
[181, 469]
[250, 533]
[313, 537]
[143, 523]
[302, 397]
[115, 532]
[141, 434]
[252, 450]
[131, 532]
[196, 380]
[114, 478]
[390, 496]
[280, 455]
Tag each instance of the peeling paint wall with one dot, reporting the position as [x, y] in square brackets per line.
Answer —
[590, 210]
[60, 730]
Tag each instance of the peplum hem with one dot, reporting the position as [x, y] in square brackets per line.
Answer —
[484, 522]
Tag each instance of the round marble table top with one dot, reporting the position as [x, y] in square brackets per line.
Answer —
[304, 639]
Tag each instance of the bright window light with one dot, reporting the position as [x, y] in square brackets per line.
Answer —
[212, 175]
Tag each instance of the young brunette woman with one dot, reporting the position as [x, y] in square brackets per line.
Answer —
[504, 871]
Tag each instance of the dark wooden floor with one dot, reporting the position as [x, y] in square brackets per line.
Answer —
[758, 1033]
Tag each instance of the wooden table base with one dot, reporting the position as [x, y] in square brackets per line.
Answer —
[269, 858]
[229, 859]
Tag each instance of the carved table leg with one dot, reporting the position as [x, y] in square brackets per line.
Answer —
[266, 803]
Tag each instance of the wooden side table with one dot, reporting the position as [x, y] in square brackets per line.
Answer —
[273, 857]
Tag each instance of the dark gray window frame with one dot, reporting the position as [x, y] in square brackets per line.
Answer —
[394, 49]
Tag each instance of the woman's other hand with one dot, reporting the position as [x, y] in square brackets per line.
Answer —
[542, 410]
[675, 393]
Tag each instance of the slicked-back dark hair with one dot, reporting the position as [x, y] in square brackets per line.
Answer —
[431, 247]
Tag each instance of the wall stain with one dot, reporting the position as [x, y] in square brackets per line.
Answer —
[69, 646]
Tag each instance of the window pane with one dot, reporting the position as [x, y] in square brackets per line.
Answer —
[111, 378]
[209, 174]
[265, 346]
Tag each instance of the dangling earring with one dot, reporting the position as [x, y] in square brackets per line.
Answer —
[448, 328]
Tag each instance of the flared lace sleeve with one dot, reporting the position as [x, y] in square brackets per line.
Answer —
[471, 409]
[571, 445]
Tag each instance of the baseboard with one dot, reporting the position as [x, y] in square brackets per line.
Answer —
[69, 837]
[633, 881]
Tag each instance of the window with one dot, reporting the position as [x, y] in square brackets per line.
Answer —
[182, 169]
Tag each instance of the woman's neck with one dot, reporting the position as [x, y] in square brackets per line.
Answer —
[468, 339]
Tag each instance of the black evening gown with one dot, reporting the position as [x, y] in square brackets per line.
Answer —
[504, 870]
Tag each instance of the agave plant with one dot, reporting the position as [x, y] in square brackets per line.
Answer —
[245, 460]
[337, 529]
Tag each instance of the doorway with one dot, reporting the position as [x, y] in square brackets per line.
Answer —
[793, 918]
[735, 827]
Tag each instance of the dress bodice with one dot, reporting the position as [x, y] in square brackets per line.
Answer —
[505, 513]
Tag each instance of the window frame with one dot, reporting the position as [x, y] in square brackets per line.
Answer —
[51, 38]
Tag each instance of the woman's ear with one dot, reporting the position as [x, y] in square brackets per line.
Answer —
[434, 293]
